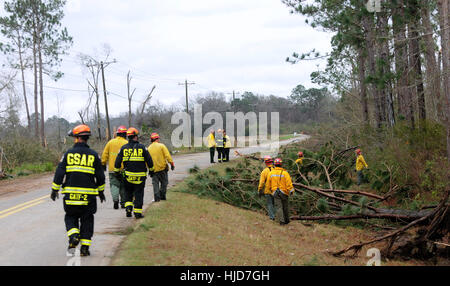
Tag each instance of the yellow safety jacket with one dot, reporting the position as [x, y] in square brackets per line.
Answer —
[160, 156]
[361, 163]
[279, 178]
[299, 161]
[111, 151]
[227, 141]
[263, 180]
[211, 141]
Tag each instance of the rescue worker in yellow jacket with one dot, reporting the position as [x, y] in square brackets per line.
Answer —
[264, 187]
[81, 176]
[299, 161]
[360, 166]
[160, 177]
[281, 187]
[226, 147]
[211, 145]
[116, 184]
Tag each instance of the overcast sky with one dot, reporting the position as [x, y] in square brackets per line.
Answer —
[221, 45]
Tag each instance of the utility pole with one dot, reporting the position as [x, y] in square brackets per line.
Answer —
[102, 65]
[186, 83]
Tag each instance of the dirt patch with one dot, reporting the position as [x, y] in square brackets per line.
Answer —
[25, 184]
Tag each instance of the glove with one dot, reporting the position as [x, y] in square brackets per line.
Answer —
[260, 194]
[172, 166]
[101, 195]
[151, 173]
[117, 175]
[104, 168]
[54, 195]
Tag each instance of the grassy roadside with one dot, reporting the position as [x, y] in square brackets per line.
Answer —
[189, 230]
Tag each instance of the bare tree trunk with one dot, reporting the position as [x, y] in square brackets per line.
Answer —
[362, 84]
[41, 86]
[369, 27]
[35, 69]
[22, 70]
[401, 57]
[432, 66]
[416, 62]
[443, 8]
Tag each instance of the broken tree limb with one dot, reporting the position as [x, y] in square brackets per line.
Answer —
[357, 247]
[357, 216]
[319, 191]
[248, 156]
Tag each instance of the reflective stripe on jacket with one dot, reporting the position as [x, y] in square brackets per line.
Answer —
[136, 159]
[227, 141]
[81, 170]
[279, 178]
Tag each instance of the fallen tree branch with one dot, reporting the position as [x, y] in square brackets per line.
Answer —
[357, 216]
[319, 191]
[357, 247]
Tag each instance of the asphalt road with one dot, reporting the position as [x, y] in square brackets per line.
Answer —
[32, 225]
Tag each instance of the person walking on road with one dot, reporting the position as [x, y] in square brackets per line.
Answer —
[360, 166]
[281, 186]
[81, 176]
[136, 160]
[267, 192]
[227, 146]
[211, 145]
[160, 156]
[116, 184]
[219, 145]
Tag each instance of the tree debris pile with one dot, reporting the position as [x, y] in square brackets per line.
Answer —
[325, 192]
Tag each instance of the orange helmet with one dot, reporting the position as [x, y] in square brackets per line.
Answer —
[358, 151]
[122, 129]
[278, 162]
[80, 130]
[300, 154]
[132, 131]
[154, 136]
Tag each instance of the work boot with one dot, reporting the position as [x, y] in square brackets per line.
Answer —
[74, 239]
[138, 215]
[116, 205]
[84, 250]
[122, 205]
[128, 211]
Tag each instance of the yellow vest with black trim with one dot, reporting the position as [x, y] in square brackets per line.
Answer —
[227, 141]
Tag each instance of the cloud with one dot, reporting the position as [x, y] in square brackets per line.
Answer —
[222, 45]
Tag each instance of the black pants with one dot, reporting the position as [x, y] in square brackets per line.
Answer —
[226, 154]
[220, 156]
[212, 150]
[80, 219]
[160, 180]
[134, 196]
